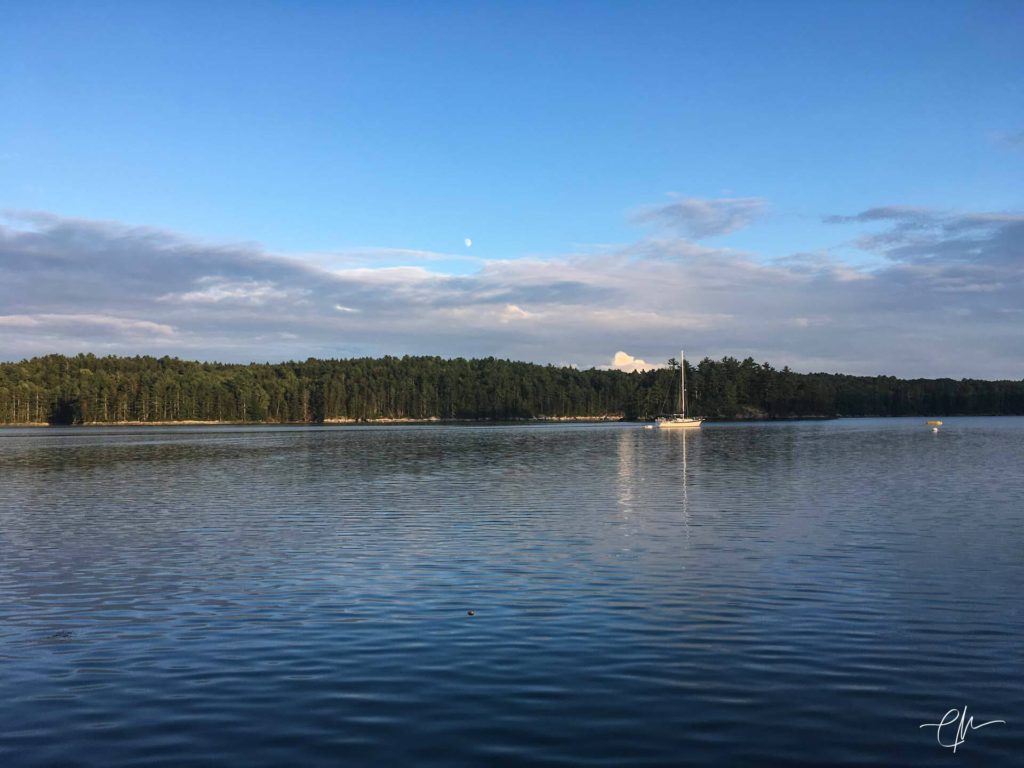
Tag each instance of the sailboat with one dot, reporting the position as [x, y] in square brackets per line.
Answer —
[680, 420]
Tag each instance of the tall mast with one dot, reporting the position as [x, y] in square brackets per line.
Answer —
[682, 384]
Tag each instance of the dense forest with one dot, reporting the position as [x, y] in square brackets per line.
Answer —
[84, 389]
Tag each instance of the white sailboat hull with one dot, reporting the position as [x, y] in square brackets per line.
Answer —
[683, 423]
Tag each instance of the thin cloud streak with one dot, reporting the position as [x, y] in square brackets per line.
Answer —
[698, 218]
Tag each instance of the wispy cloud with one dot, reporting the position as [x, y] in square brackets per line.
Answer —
[943, 237]
[216, 290]
[699, 218]
[946, 300]
[1010, 140]
[905, 214]
[88, 325]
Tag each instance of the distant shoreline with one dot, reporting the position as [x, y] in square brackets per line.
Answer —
[333, 422]
[337, 422]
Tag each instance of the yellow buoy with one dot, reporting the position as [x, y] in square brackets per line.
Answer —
[934, 423]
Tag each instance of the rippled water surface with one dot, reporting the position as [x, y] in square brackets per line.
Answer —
[801, 593]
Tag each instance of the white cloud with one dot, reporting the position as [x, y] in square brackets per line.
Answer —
[18, 321]
[88, 323]
[629, 364]
[512, 312]
[215, 290]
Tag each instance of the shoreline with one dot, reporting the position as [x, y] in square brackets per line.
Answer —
[331, 422]
[435, 420]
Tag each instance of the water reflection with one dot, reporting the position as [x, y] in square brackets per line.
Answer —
[628, 476]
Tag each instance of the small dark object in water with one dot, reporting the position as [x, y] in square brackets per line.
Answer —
[63, 634]
[471, 613]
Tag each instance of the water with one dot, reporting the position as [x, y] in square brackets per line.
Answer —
[795, 593]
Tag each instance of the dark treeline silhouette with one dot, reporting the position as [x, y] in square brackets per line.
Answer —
[84, 389]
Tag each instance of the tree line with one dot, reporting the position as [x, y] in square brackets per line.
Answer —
[60, 389]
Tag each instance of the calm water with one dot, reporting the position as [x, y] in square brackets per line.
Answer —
[801, 593]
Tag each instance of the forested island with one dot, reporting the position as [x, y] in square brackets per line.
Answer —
[85, 389]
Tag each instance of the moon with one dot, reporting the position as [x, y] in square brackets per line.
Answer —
[468, 242]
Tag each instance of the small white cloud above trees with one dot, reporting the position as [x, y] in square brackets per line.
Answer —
[626, 362]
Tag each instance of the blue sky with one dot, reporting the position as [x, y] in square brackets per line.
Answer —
[350, 135]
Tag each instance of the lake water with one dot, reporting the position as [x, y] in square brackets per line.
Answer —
[788, 593]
